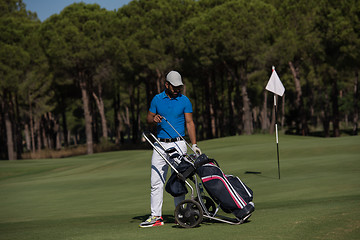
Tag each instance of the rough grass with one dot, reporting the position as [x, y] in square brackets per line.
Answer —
[106, 196]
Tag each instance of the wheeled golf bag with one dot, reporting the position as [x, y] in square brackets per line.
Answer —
[228, 191]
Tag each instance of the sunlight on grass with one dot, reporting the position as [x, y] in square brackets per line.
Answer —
[106, 195]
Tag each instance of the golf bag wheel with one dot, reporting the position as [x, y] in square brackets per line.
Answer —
[188, 213]
[209, 204]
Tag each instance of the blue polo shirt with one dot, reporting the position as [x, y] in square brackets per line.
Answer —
[174, 111]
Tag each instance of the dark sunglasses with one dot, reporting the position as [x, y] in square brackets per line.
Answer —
[176, 89]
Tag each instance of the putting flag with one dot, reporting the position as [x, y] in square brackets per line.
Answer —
[274, 84]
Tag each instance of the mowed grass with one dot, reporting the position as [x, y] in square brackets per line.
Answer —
[106, 196]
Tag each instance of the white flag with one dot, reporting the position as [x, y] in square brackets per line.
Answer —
[275, 85]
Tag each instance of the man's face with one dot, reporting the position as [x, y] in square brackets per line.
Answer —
[173, 91]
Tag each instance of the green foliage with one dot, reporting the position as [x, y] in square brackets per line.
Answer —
[224, 50]
[73, 38]
[13, 56]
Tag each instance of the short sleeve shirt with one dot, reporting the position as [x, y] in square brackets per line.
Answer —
[173, 110]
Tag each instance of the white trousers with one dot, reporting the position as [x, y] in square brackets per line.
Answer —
[159, 169]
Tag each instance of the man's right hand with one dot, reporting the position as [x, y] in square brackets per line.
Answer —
[152, 118]
[157, 118]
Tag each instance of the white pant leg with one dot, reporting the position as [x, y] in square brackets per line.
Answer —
[182, 148]
[159, 169]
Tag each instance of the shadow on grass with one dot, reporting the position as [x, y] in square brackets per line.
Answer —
[170, 219]
[256, 173]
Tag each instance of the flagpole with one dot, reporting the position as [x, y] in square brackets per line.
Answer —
[277, 136]
[275, 86]
[276, 131]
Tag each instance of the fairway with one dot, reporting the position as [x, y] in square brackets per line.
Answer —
[107, 195]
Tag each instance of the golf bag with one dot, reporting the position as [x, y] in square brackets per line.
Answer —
[228, 191]
[175, 185]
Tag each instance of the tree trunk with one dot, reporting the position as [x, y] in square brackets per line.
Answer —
[126, 120]
[211, 107]
[9, 137]
[58, 140]
[196, 116]
[9, 128]
[32, 127]
[38, 134]
[50, 130]
[264, 114]
[75, 139]
[248, 120]
[18, 137]
[355, 104]
[27, 137]
[134, 101]
[301, 122]
[159, 81]
[221, 106]
[57, 134]
[295, 73]
[117, 117]
[246, 109]
[121, 130]
[335, 108]
[283, 110]
[44, 137]
[87, 114]
[68, 137]
[231, 106]
[138, 122]
[208, 107]
[325, 117]
[248, 128]
[100, 104]
[3, 145]
[132, 112]
[273, 116]
[255, 114]
[65, 130]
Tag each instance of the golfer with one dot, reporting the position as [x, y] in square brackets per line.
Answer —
[177, 109]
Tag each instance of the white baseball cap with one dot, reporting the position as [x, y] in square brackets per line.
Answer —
[174, 78]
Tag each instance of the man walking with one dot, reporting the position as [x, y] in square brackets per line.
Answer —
[177, 109]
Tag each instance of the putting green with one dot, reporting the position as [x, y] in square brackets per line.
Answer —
[106, 196]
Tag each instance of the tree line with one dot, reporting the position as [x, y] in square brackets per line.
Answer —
[87, 75]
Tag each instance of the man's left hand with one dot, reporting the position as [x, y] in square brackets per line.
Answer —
[196, 149]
